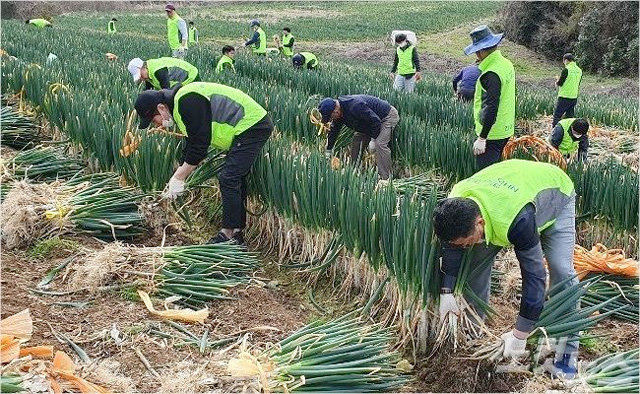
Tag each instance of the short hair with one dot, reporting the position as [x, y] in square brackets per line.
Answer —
[580, 126]
[27, 21]
[191, 22]
[114, 19]
[568, 56]
[227, 48]
[400, 37]
[287, 29]
[454, 218]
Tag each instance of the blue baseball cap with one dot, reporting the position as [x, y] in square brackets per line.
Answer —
[482, 38]
[326, 107]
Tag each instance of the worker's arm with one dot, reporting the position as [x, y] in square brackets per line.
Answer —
[563, 77]
[416, 59]
[290, 44]
[184, 33]
[162, 76]
[195, 111]
[254, 40]
[556, 136]
[583, 148]
[451, 261]
[490, 100]
[147, 85]
[370, 117]
[455, 81]
[523, 234]
[395, 63]
[332, 135]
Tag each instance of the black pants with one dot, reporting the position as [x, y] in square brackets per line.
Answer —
[564, 106]
[492, 154]
[233, 175]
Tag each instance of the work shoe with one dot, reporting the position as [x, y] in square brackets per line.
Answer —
[560, 369]
[219, 238]
[238, 238]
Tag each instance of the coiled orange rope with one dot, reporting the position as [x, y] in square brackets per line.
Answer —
[601, 259]
[538, 148]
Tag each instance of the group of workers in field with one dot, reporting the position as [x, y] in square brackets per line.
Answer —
[525, 204]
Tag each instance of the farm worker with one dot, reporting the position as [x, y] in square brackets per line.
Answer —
[111, 26]
[406, 65]
[176, 32]
[464, 84]
[226, 62]
[162, 73]
[258, 41]
[287, 42]
[570, 135]
[39, 22]
[568, 87]
[305, 59]
[218, 116]
[193, 34]
[494, 100]
[370, 118]
[499, 207]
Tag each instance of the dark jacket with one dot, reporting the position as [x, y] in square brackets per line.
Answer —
[492, 85]
[361, 113]
[523, 234]
[467, 78]
[162, 76]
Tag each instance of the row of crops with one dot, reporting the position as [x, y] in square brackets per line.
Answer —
[434, 131]
[89, 99]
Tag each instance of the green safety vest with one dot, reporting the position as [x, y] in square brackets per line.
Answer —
[405, 60]
[179, 71]
[568, 145]
[111, 27]
[503, 189]
[225, 60]
[506, 116]
[173, 33]
[232, 111]
[287, 51]
[571, 85]
[39, 22]
[192, 35]
[260, 47]
[309, 60]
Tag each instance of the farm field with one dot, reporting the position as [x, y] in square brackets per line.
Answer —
[338, 287]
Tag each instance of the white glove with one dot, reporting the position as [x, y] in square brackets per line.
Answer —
[328, 153]
[513, 347]
[479, 146]
[448, 304]
[175, 187]
[372, 145]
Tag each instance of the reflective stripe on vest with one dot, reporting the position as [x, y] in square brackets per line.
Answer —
[309, 59]
[39, 22]
[192, 35]
[232, 111]
[501, 191]
[221, 64]
[571, 85]
[260, 47]
[287, 51]
[506, 116]
[173, 32]
[405, 60]
[178, 69]
[111, 28]
[568, 145]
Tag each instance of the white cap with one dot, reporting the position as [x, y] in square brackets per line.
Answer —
[134, 68]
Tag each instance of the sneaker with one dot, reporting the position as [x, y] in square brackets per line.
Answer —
[560, 369]
[219, 238]
[238, 238]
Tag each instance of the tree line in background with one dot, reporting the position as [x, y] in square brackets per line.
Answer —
[602, 35]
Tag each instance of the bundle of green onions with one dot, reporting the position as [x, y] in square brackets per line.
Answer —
[423, 185]
[10, 383]
[559, 318]
[202, 273]
[343, 355]
[45, 164]
[614, 373]
[18, 131]
[606, 287]
[92, 204]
